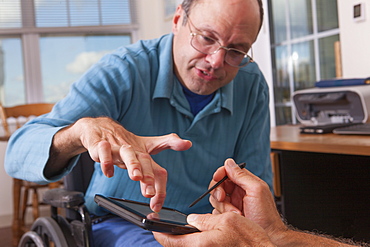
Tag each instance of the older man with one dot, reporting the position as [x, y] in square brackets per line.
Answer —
[197, 83]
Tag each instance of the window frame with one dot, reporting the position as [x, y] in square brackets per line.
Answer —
[30, 39]
[289, 43]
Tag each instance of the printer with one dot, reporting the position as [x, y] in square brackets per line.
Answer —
[332, 105]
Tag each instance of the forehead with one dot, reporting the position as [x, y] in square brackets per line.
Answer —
[230, 20]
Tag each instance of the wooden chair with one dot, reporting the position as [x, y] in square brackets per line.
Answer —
[17, 115]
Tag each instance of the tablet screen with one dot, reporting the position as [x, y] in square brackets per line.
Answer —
[166, 214]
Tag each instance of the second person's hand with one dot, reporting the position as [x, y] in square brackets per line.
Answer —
[246, 194]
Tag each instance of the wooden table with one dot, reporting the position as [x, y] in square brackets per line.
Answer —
[288, 137]
[324, 181]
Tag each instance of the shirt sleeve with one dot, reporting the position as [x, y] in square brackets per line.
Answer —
[97, 93]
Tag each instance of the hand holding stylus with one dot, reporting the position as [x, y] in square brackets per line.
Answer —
[242, 165]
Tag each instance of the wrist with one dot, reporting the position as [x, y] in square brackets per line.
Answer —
[279, 234]
[67, 141]
[62, 149]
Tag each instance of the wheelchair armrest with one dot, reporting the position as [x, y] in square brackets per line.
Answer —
[62, 198]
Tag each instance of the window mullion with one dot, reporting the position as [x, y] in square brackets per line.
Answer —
[28, 14]
[316, 41]
[32, 68]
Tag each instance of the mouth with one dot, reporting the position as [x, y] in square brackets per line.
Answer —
[205, 75]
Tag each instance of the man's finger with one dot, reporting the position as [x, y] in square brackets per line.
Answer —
[105, 158]
[157, 201]
[242, 177]
[129, 158]
[147, 182]
[156, 144]
[204, 222]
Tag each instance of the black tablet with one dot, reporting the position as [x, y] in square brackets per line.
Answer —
[323, 129]
[167, 220]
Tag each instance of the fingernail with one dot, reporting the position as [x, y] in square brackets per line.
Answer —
[157, 207]
[232, 164]
[235, 212]
[136, 173]
[217, 194]
[150, 191]
[192, 218]
[110, 173]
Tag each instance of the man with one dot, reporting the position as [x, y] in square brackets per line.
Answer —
[245, 215]
[197, 83]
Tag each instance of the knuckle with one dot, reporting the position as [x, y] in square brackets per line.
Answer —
[133, 163]
[126, 147]
[161, 172]
[142, 155]
[173, 135]
[148, 177]
[105, 163]
[259, 187]
[161, 195]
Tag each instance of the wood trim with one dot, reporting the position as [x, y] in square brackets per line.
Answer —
[276, 173]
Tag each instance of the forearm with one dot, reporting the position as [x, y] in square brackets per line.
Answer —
[298, 238]
[65, 145]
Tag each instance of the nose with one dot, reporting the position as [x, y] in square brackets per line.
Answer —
[217, 59]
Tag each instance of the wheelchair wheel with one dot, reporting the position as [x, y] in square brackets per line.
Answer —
[31, 239]
[48, 231]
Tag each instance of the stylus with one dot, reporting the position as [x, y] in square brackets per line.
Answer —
[242, 165]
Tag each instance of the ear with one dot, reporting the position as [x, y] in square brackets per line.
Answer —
[176, 19]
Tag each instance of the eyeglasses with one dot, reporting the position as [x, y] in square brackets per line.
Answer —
[209, 46]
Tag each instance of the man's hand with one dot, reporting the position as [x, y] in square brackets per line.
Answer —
[110, 144]
[228, 229]
[248, 195]
[243, 194]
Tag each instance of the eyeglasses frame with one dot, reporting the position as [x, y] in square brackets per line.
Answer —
[193, 34]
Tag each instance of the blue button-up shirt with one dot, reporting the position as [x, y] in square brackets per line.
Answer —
[137, 87]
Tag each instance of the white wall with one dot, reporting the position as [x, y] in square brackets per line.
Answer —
[153, 22]
[355, 40]
[262, 55]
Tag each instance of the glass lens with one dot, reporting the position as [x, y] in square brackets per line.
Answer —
[204, 44]
[236, 58]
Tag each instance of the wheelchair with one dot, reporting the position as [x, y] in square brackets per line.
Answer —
[74, 229]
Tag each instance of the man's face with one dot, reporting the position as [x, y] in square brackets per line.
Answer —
[233, 23]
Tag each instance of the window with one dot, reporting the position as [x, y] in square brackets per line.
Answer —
[303, 34]
[46, 45]
[11, 70]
